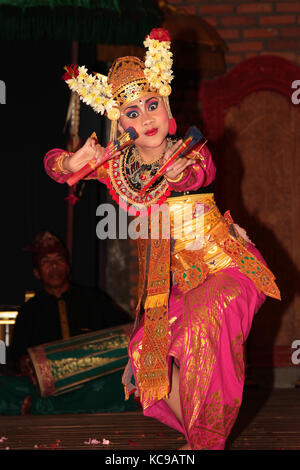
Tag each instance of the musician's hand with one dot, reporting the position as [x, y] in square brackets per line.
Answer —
[179, 165]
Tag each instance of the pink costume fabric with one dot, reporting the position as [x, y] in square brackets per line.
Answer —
[208, 327]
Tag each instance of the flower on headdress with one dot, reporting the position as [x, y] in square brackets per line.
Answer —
[71, 72]
[158, 60]
[160, 34]
[95, 91]
[92, 89]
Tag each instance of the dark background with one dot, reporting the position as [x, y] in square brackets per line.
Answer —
[32, 122]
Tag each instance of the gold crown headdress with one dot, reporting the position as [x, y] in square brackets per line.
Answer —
[129, 78]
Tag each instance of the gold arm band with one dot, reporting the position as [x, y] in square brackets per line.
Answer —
[58, 166]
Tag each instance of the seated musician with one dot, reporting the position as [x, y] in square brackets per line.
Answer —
[61, 309]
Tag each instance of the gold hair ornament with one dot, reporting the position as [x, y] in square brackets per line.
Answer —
[129, 78]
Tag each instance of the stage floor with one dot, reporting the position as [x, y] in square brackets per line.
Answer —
[268, 420]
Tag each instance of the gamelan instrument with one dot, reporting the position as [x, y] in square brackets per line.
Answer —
[64, 365]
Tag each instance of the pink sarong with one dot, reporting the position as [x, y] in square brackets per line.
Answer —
[208, 327]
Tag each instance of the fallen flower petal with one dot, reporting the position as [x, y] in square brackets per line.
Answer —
[105, 442]
[131, 443]
[95, 441]
[92, 441]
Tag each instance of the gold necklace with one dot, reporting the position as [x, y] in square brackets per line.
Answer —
[138, 157]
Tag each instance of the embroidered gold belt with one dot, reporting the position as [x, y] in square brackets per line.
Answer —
[204, 242]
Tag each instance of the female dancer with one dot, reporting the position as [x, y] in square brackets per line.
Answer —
[198, 289]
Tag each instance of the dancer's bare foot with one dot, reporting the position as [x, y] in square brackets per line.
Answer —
[185, 447]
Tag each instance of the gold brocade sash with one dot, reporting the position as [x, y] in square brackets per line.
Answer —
[200, 246]
[194, 253]
[153, 374]
[232, 244]
[210, 243]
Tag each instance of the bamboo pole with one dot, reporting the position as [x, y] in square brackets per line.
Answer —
[72, 146]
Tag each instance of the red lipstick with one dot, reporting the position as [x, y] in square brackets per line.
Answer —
[151, 132]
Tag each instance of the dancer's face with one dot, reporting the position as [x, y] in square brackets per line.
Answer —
[149, 117]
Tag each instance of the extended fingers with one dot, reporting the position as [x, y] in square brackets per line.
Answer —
[105, 154]
[171, 150]
[180, 164]
[178, 167]
[91, 143]
[189, 162]
[100, 152]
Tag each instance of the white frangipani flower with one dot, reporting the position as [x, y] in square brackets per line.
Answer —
[158, 62]
[93, 90]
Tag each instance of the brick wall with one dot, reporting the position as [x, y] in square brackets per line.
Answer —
[250, 28]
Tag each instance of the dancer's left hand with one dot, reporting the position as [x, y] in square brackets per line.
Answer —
[179, 165]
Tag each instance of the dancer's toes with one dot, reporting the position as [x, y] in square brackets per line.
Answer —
[185, 447]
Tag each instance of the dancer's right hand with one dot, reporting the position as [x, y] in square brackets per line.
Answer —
[90, 150]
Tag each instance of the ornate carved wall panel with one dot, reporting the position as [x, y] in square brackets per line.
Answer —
[253, 130]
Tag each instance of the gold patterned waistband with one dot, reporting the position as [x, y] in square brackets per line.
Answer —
[204, 242]
[208, 198]
[193, 219]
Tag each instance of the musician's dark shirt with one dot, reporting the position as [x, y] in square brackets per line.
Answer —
[38, 321]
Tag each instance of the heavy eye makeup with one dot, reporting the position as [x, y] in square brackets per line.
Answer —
[132, 113]
[151, 104]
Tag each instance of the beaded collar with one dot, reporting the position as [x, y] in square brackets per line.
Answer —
[128, 175]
